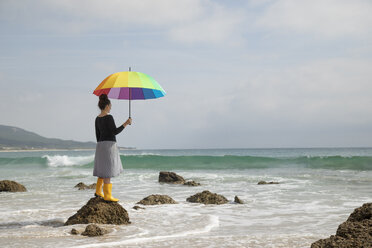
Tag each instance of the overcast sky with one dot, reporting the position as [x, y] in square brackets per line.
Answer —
[238, 74]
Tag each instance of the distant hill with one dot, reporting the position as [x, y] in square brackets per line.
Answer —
[18, 138]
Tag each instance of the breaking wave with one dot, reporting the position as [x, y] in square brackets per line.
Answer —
[200, 162]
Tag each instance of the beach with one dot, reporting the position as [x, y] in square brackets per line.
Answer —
[317, 190]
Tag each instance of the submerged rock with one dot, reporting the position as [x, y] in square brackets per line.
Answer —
[157, 200]
[170, 177]
[93, 230]
[191, 183]
[82, 186]
[355, 232]
[264, 182]
[74, 231]
[137, 207]
[98, 211]
[207, 197]
[237, 200]
[11, 186]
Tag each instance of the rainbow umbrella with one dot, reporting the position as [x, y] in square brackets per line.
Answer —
[130, 85]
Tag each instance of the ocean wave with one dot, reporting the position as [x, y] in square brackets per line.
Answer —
[158, 162]
[22, 161]
[64, 160]
[246, 162]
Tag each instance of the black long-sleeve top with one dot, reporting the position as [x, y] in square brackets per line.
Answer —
[106, 128]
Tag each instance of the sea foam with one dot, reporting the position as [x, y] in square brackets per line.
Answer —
[64, 160]
[213, 223]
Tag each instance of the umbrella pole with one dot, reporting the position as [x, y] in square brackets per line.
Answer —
[130, 97]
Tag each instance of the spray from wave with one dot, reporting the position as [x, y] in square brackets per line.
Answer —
[64, 160]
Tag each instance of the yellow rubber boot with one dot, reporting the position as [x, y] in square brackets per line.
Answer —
[107, 188]
[99, 188]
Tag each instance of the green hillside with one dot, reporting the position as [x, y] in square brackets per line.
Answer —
[17, 138]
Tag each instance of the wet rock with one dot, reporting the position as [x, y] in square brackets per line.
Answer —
[207, 197]
[362, 213]
[157, 200]
[191, 183]
[264, 182]
[11, 186]
[237, 200]
[355, 232]
[170, 177]
[173, 178]
[74, 231]
[82, 186]
[98, 211]
[93, 231]
[138, 207]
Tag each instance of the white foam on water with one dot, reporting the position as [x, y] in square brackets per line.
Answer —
[140, 232]
[213, 223]
[64, 160]
[139, 154]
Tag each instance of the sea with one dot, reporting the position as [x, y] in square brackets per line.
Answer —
[318, 189]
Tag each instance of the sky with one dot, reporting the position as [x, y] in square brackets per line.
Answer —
[238, 74]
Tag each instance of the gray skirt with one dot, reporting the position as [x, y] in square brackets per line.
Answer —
[107, 161]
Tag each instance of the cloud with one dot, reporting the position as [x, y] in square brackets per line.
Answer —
[324, 92]
[327, 18]
[148, 12]
[160, 12]
[221, 26]
[190, 21]
[319, 103]
[266, 92]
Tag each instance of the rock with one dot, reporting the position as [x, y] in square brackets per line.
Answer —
[362, 213]
[93, 230]
[83, 186]
[74, 231]
[11, 186]
[191, 183]
[237, 200]
[138, 207]
[170, 177]
[264, 182]
[157, 200]
[207, 197]
[355, 232]
[98, 211]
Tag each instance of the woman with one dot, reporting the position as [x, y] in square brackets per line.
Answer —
[107, 161]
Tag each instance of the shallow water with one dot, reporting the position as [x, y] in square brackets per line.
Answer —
[309, 203]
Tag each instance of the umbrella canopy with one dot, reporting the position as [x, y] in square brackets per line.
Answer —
[130, 85]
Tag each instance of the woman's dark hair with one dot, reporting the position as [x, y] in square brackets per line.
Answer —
[103, 101]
